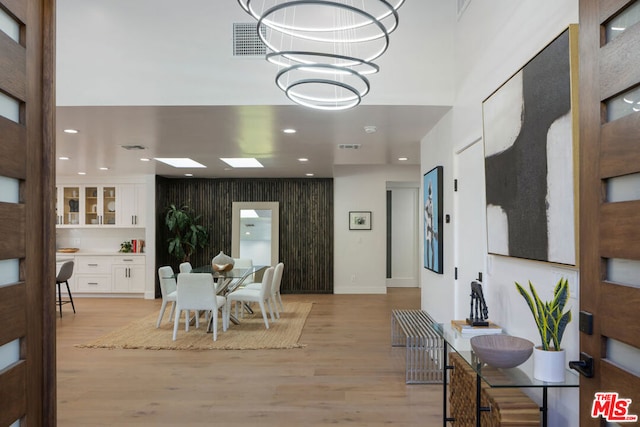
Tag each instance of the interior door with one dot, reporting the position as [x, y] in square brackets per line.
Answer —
[469, 221]
[610, 209]
[27, 214]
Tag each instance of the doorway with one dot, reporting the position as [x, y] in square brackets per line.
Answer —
[402, 234]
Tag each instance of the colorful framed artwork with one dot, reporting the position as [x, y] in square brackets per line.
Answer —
[360, 220]
[432, 185]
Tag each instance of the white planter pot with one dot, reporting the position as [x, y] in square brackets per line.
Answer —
[548, 366]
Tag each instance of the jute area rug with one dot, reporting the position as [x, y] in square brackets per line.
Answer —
[250, 334]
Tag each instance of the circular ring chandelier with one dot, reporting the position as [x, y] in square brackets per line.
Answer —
[324, 48]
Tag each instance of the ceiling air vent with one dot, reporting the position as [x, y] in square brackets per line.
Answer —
[246, 41]
[349, 146]
[134, 147]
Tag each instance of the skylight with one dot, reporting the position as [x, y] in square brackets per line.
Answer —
[178, 162]
[242, 162]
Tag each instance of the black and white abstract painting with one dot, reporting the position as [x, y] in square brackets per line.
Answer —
[528, 137]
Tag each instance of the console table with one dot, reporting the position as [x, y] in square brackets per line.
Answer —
[519, 377]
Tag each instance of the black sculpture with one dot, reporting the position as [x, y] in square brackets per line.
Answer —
[478, 313]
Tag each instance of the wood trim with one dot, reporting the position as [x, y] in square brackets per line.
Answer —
[49, 395]
[13, 393]
[17, 8]
[12, 230]
[12, 149]
[619, 231]
[13, 64]
[608, 8]
[13, 318]
[616, 378]
[590, 192]
[619, 140]
[620, 75]
[621, 303]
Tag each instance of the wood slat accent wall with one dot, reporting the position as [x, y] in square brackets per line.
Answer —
[306, 223]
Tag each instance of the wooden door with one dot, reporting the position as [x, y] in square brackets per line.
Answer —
[27, 264]
[609, 213]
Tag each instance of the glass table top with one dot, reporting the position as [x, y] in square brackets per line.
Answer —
[520, 376]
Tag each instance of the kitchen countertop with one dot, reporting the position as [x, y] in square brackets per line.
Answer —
[97, 253]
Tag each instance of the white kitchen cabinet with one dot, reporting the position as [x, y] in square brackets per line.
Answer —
[110, 274]
[131, 205]
[93, 273]
[97, 206]
[128, 274]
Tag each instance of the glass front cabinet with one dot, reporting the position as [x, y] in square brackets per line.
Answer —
[68, 205]
[100, 205]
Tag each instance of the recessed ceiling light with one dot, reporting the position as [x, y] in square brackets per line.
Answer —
[403, 159]
[370, 129]
[144, 159]
[247, 233]
[104, 169]
[289, 130]
[188, 174]
[303, 159]
[180, 162]
[82, 173]
[242, 162]
[63, 158]
[309, 174]
[70, 131]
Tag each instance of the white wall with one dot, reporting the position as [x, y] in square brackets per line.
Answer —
[360, 255]
[492, 42]
[113, 52]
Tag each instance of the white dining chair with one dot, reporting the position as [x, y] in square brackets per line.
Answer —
[246, 295]
[196, 291]
[275, 289]
[168, 291]
[185, 267]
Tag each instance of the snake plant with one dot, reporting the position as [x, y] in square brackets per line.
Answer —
[549, 316]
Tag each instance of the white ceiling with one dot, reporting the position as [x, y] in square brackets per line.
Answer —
[133, 73]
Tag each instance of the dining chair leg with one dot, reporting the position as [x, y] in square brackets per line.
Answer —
[176, 320]
[215, 325]
[70, 297]
[162, 308]
[264, 314]
[59, 298]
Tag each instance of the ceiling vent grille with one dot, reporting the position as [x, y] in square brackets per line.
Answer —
[246, 41]
[349, 146]
[134, 147]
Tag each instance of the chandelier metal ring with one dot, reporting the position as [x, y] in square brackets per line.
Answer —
[366, 19]
[324, 104]
[389, 10]
[301, 90]
[297, 57]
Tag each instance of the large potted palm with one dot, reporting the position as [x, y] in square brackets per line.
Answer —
[186, 235]
[551, 320]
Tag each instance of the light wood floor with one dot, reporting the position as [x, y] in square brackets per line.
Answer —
[348, 373]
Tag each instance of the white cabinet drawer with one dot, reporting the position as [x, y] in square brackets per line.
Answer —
[93, 284]
[93, 265]
[128, 260]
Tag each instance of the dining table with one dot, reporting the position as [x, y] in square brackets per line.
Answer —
[228, 281]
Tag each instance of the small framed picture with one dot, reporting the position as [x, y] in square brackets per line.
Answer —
[360, 220]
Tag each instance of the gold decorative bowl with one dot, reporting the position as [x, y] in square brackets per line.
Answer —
[221, 267]
[501, 351]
